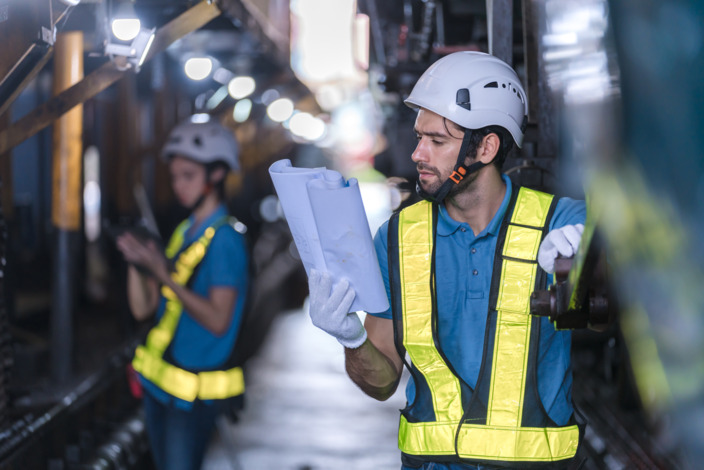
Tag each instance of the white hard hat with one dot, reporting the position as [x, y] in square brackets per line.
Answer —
[473, 90]
[203, 140]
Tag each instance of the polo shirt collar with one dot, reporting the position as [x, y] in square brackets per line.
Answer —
[194, 232]
[447, 225]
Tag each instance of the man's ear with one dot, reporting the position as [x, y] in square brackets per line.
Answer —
[488, 148]
[217, 175]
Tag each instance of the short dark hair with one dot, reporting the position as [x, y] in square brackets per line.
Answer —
[220, 185]
[505, 141]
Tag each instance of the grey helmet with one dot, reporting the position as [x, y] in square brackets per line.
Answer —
[204, 140]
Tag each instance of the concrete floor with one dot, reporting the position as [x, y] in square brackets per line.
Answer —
[303, 412]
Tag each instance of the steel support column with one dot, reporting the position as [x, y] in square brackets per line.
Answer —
[66, 202]
[499, 18]
[6, 350]
[541, 109]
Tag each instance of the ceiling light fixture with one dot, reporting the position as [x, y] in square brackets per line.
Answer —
[241, 87]
[133, 53]
[125, 24]
[198, 68]
[280, 110]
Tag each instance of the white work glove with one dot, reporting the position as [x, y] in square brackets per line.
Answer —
[562, 241]
[329, 311]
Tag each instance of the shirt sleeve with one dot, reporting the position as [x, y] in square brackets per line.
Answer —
[228, 259]
[380, 245]
[568, 211]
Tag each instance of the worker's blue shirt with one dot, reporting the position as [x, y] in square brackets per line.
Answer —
[225, 264]
[464, 267]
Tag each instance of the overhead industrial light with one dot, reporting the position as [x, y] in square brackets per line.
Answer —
[319, 27]
[280, 110]
[198, 68]
[125, 24]
[307, 126]
[136, 51]
[241, 87]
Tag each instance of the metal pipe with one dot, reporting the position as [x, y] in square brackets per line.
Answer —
[66, 202]
[376, 32]
[125, 446]
[24, 432]
[499, 18]
[426, 30]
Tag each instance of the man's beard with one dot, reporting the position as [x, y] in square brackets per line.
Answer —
[463, 185]
[430, 188]
[433, 188]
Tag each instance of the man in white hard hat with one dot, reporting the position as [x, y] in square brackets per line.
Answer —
[490, 385]
[188, 366]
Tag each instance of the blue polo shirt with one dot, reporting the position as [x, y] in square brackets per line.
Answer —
[464, 266]
[225, 264]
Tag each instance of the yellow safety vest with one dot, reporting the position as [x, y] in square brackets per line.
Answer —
[149, 359]
[491, 428]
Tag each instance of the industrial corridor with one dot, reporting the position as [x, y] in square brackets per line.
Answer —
[302, 411]
[200, 199]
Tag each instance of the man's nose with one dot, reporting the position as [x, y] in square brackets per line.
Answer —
[420, 153]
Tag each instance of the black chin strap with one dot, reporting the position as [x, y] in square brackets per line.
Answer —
[458, 173]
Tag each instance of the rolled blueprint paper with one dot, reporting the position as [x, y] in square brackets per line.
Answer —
[290, 183]
[330, 228]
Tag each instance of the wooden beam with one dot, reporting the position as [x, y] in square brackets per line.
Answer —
[41, 51]
[45, 53]
[107, 74]
[26, 37]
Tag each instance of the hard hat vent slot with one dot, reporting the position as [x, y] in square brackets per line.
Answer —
[491, 85]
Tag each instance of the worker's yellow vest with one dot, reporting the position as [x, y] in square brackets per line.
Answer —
[496, 433]
[149, 359]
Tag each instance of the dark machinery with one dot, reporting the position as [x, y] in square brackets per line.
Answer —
[580, 296]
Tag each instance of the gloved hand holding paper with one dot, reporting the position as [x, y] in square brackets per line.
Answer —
[330, 229]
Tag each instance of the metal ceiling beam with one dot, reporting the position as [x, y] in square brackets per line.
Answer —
[107, 74]
[257, 18]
